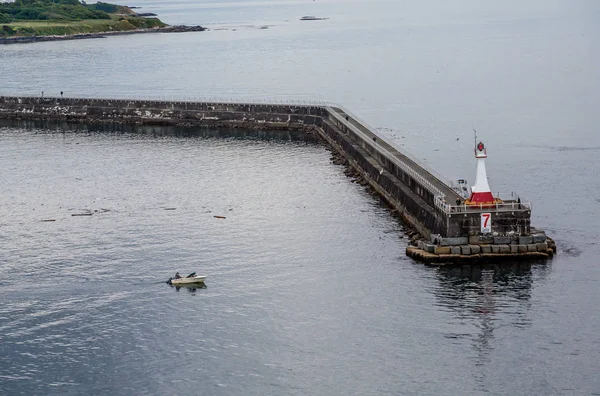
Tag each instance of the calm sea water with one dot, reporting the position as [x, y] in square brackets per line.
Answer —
[309, 291]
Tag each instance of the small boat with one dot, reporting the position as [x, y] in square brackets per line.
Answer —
[188, 280]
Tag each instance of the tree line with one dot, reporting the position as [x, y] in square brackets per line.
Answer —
[61, 10]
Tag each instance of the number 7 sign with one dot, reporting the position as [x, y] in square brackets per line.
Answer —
[486, 223]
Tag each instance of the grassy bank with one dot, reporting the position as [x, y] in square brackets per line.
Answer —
[61, 28]
[26, 18]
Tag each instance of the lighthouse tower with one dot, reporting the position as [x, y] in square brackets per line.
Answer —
[480, 192]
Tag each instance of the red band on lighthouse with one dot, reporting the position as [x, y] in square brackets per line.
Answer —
[482, 197]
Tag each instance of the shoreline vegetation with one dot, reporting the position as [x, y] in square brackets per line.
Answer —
[27, 21]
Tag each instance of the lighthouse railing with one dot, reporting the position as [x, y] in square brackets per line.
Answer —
[513, 205]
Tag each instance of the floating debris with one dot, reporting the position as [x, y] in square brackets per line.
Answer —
[81, 214]
[46, 220]
[219, 217]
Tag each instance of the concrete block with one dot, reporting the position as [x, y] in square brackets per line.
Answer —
[532, 247]
[455, 249]
[420, 245]
[522, 248]
[454, 241]
[442, 250]
[465, 249]
[539, 238]
[475, 249]
[474, 240]
[504, 249]
[495, 248]
[429, 248]
[501, 240]
[514, 248]
[542, 247]
[525, 240]
[487, 239]
[486, 248]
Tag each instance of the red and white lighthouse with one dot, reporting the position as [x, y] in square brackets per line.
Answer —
[480, 192]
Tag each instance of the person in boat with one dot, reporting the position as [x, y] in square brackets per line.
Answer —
[177, 276]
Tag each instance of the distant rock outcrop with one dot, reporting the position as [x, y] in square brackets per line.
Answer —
[312, 18]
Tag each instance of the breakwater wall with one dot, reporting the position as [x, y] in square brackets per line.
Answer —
[445, 230]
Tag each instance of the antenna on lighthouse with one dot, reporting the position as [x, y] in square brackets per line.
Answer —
[475, 138]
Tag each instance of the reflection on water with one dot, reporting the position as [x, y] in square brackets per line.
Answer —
[330, 305]
[482, 290]
[191, 288]
[473, 289]
[501, 272]
[487, 295]
[98, 322]
[160, 131]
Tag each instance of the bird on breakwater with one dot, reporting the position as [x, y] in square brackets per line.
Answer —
[381, 171]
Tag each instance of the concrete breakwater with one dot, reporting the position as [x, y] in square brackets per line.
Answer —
[445, 231]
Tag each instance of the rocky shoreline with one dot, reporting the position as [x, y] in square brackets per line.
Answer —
[80, 36]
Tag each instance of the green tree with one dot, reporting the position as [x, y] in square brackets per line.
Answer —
[5, 18]
[69, 2]
[106, 7]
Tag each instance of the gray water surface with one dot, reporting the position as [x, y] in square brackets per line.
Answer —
[308, 290]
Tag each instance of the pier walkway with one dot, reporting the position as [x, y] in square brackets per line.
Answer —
[433, 183]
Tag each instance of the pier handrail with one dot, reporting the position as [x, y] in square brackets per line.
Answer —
[402, 150]
[181, 99]
[393, 158]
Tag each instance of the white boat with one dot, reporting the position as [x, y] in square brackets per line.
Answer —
[190, 280]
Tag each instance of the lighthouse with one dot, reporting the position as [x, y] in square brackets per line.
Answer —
[480, 192]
